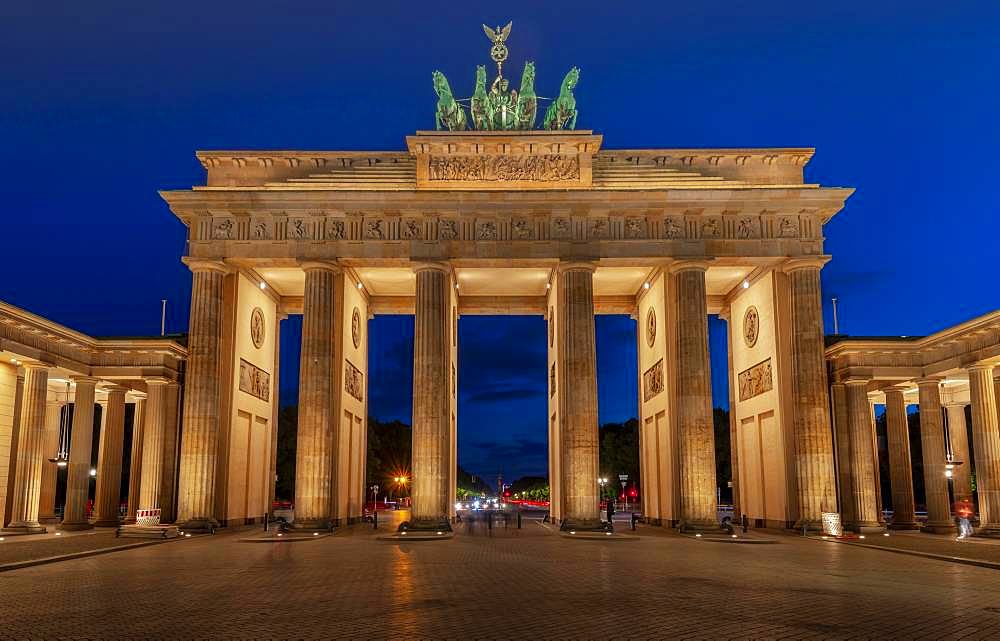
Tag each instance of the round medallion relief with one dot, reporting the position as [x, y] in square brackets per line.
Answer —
[751, 326]
[650, 327]
[257, 330]
[552, 326]
[356, 327]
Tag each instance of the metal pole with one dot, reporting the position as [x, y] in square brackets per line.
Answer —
[836, 324]
[163, 317]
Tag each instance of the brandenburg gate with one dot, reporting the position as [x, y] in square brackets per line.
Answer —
[489, 215]
[508, 222]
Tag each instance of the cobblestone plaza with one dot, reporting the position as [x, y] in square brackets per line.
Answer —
[530, 583]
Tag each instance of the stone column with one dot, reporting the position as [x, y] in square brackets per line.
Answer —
[932, 443]
[812, 436]
[695, 430]
[843, 434]
[863, 479]
[431, 419]
[171, 436]
[200, 425]
[135, 459]
[50, 471]
[315, 436]
[80, 444]
[577, 365]
[109, 461]
[30, 452]
[900, 465]
[153, 430]
[958, 435]
[986, 444]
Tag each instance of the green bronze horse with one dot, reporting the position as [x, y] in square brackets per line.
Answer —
[480, 103]
[449, 113]
[527, 101]
[562, 113]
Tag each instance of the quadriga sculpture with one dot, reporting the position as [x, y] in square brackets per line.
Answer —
[449, 113]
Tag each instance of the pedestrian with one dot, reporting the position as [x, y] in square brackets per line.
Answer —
[611, 510]
[964, 510]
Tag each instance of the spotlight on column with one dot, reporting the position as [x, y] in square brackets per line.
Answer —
[746, 284]
[263, 285]
[93, 471]
[361, 285]
[645, 285]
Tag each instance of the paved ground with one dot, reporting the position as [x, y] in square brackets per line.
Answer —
[528, 584]
[53, 543]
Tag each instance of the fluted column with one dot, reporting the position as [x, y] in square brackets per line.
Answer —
[932, 443]
[315, 444]
[30, 452]
[50, 471]
[958, 436]
[812, 435]
[200, 425]
[695, 431]
[154, 427]
[80, 444]
[900, 465]
[986, 445]
[577, 365]
[865, 505]
[135, 459]
[109, 461]
[843, 434]
[431, 421]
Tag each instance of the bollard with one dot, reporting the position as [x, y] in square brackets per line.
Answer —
[634, 520]
[375, 520]
[519, 520]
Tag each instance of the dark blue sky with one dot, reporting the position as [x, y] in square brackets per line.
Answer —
[104, 103]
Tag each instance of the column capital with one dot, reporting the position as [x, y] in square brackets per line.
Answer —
[320, 265]
[156, 380]
[205, 265]
[85, 380]
[115, 389]
[430, 265]
[928, 381]
[36, 365]
[134, 395]
[805, 262]
[688, 264]
[981, 367]
[856, 381]
[576, 266]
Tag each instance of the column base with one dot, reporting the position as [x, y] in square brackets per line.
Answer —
[129, 521]
[318, 525]
[49, 519]
[866, 527]
[24, 528]
[698, 525]
[75, 526]
[584, 525]
[808, 525]
[904, 525]
[431, 524]
[107, 523]
[940, 527]
[200, 524]
[991, 530]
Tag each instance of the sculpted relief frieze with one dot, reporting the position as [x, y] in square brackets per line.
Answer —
[377, 226]
[493, 168]
[354, 381]
[756, 380]
[652, 381]
[255, 381]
